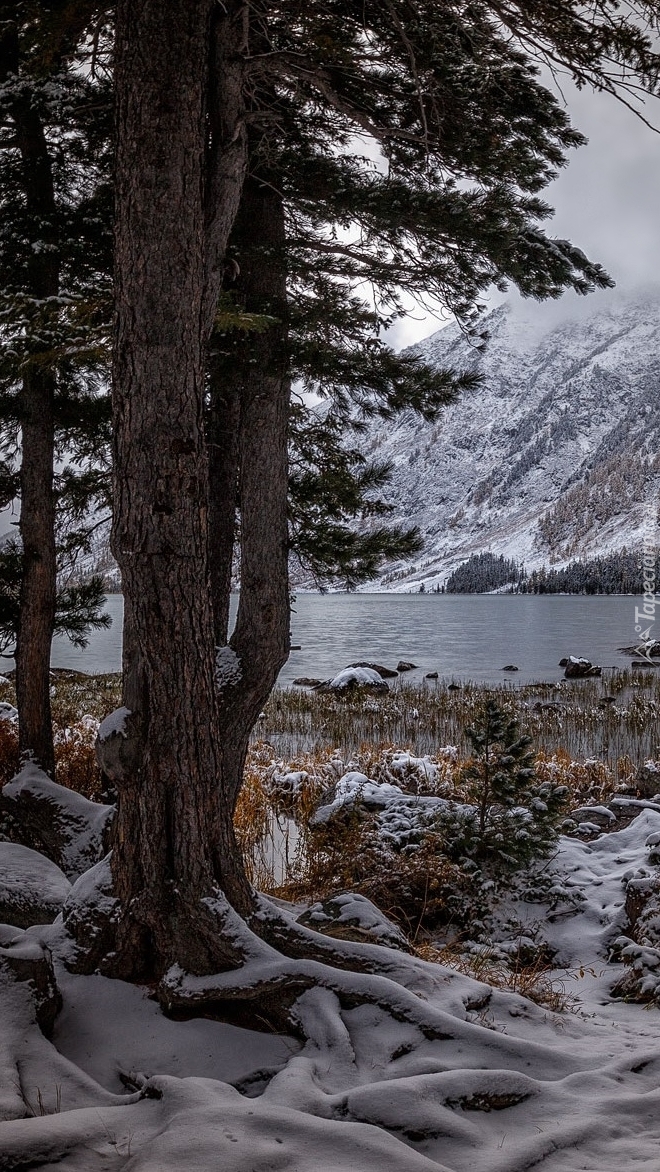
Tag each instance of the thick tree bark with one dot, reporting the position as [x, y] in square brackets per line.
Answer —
[37, 521]
[259, 375]
[227, 147]
[174, 853]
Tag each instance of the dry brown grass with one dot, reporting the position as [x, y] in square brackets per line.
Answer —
[533, 979]
[9, 759]
[574, 716]
[590, 782]
[74, 697]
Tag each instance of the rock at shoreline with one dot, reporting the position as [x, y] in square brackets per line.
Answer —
[431, 675]
[307, 682]
[353, 679]
[405, 665]
[387, 673]
[647, 781]
[651, 648]
[578, 668]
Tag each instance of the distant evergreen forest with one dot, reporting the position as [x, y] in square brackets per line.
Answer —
[617, 573]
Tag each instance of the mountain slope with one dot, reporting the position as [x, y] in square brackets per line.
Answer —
[555, 456]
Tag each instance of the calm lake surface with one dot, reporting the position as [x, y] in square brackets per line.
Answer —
[463, 637]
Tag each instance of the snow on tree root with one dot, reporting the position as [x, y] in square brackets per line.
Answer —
[34, 1078]
[370, 1089]
[32, 888]
[199, 1124]
[351, 916]
[270, 984]
[61, 824]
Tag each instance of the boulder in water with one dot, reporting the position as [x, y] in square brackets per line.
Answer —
[386, 673]
[355, 679]
[578, 668]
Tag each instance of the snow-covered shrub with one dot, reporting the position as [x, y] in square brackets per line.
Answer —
[639, 949]
[414, 774]
[396, 836]
[589, 781]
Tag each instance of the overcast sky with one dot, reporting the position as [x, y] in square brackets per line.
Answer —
[607, 202]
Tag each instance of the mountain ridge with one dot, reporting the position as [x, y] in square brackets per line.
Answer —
[554, 457]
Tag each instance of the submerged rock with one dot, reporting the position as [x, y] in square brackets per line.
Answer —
[405, 665]
[579, 668]
[510, 667]
[650, 648]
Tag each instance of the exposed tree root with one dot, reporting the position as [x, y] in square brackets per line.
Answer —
[269, 987]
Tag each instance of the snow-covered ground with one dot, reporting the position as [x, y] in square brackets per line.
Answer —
[471, 1078]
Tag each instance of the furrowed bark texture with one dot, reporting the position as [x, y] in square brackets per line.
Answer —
[260, 376]
[174, 844]
[37, 521]
[227, 148]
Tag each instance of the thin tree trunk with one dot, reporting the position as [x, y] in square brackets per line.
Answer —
[38, 584]
[175, 853]
[37, 402]
[261, 378]
[223, 438]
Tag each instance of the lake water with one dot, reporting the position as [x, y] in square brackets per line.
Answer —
[463, 637]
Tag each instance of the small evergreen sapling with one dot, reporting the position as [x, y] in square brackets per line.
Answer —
[514, 817]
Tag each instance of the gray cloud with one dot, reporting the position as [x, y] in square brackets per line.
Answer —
[606, 202]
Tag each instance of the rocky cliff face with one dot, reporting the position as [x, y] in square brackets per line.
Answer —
[555, 456]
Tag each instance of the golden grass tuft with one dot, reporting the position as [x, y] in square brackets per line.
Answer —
[536, 980]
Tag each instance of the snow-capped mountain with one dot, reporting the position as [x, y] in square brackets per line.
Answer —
[555, 456]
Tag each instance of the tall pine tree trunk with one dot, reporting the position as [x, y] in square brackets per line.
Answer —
[259, 374]
[38, 583]
[37, 521]
[174, 853]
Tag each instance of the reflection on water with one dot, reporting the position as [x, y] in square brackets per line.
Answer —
[460, 636]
